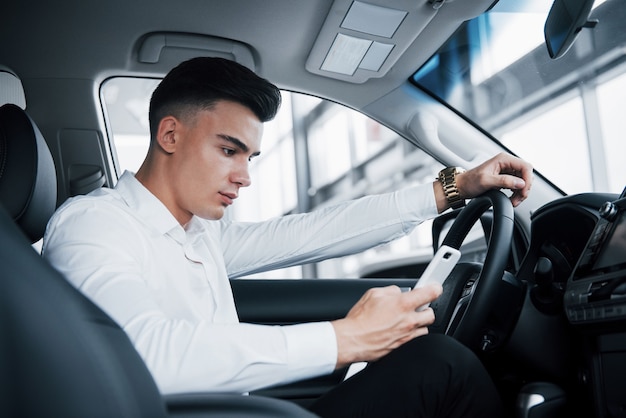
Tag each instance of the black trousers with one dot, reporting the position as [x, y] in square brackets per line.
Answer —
[431, 376]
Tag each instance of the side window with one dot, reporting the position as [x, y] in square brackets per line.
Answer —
[126, 102]
[340, 154]
[611, 103]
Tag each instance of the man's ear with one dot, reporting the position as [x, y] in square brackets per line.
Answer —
[167, 134]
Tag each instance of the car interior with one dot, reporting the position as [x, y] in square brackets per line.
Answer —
[540, 297]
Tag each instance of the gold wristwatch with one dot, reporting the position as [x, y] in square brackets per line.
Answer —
[447, 177]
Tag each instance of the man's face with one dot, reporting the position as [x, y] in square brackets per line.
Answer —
[210, 162]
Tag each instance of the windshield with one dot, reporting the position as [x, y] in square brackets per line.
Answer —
[566, 115]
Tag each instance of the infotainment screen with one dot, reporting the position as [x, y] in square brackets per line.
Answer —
[612, 254]
[606, 250]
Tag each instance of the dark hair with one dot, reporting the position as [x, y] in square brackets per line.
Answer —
[200, 82]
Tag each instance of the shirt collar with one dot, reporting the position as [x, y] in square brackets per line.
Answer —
[147, 206]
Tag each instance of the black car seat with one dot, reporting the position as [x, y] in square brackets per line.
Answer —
[60, 355]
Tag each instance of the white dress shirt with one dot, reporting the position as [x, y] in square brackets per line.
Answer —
[168, 286]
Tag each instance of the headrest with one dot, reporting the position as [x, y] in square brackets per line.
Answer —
[11, 90]
[28, 187]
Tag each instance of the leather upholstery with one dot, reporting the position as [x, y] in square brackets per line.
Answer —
[28, 188]
[11, 90]
[60, 355]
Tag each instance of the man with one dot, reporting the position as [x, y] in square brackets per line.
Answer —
[155, 254]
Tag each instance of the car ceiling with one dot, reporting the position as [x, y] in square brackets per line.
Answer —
[62, 54]
[91, 40]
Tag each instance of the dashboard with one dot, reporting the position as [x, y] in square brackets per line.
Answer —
[575, 312]
[578, 252]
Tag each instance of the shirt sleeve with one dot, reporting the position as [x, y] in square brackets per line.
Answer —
[335, 231]
[103, 254]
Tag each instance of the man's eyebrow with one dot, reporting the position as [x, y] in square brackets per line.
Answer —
[238, 143]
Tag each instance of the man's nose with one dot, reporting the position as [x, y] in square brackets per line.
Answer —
[241, 176]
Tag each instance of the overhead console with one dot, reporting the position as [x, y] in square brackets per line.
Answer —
[596, 290]
[364, 39]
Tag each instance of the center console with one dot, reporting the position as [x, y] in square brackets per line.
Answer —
[596, 291]
[595, 300]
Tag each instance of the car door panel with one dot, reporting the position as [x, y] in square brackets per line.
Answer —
[283, 302]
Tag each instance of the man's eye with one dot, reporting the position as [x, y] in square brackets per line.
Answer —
[228, 151]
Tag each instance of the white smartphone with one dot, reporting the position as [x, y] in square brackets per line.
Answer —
[439, 268]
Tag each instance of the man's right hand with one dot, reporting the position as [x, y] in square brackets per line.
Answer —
[381, 321]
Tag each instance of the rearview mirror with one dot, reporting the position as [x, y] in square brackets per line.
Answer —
[565, 21]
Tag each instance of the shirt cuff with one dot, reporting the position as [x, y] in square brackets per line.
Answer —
[312, 349]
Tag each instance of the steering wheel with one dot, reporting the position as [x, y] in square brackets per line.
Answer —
[471, 290]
